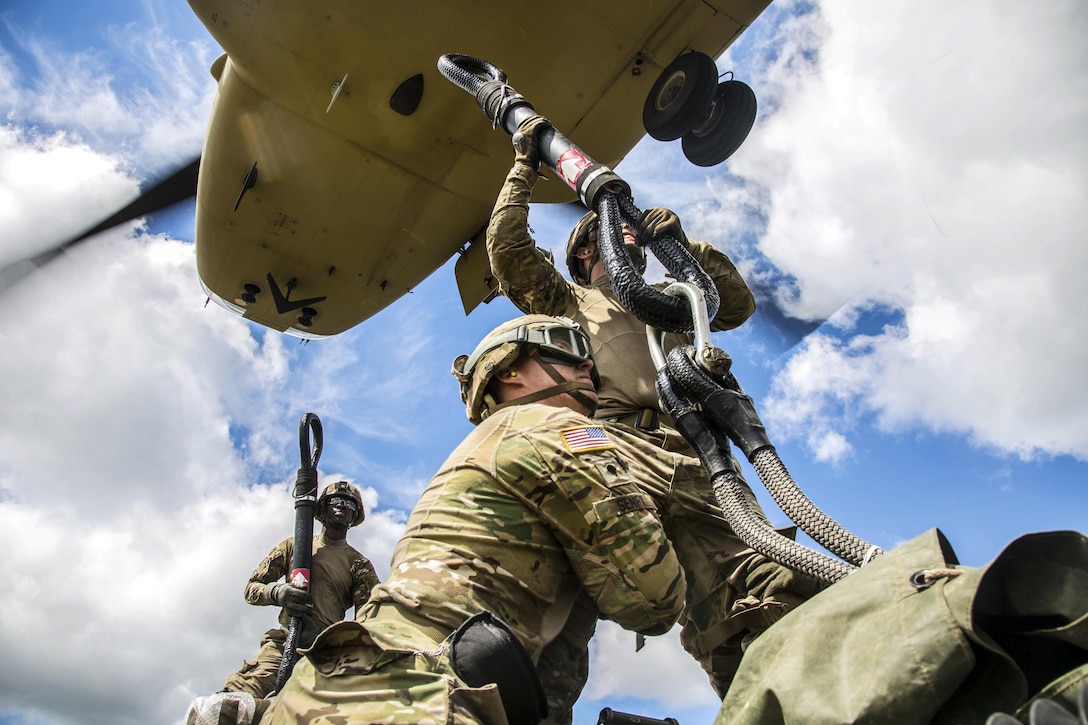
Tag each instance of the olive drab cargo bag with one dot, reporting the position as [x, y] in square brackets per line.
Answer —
[914, 638]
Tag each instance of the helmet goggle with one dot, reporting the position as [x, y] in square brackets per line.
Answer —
[343, 501]
[556, 344]
[563, 346]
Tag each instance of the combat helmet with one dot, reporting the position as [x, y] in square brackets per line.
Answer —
[555, 339]
[579, 237]
[345, 489]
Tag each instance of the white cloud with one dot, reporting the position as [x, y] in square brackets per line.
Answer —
[159, 118]
[53, 188]
[145, 596]
[661, 671]
[173, 113]
[929, 159]
[110, 342]
[9, 90]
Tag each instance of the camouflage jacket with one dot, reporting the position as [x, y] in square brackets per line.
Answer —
[340, 577]
[618, 338]
[534, 505]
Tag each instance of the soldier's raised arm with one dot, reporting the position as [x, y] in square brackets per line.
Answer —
[525, 273]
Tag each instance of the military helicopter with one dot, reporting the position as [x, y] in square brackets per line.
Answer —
[340, 169]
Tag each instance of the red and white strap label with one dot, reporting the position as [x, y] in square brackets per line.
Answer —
[300, 578]
[570, 164]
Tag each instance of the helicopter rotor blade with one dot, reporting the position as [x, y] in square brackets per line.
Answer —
[176, 188]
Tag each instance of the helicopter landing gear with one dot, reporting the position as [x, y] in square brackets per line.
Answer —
[725, 124]
[679, 96]
[687, 102]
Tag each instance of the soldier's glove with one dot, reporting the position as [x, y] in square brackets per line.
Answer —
[308, 633]
[656, 223]
[297, 602]
[525, 140]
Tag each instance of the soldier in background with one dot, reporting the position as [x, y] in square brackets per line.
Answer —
[536, 505]
[341, 578]
[733, 593]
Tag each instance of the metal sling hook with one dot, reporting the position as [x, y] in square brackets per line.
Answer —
[309, 429]
[700, 321]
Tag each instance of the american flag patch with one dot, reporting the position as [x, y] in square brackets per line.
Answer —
[590, 438]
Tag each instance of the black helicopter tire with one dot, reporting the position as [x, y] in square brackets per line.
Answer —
[728, 118]
[679, 97]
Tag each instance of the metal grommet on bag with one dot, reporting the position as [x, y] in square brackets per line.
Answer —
[925, 578]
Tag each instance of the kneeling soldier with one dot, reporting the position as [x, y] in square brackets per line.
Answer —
[536, 505]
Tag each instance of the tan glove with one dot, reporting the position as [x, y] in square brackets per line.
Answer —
[526, 147]
[655, 223]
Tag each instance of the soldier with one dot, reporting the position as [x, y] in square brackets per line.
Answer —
[341, 578]
[536, 505]
[732, 591]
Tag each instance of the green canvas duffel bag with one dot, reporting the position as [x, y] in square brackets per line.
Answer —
[915, 638]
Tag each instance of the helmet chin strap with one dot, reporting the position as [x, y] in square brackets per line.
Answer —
[593, 259]
[571, 387]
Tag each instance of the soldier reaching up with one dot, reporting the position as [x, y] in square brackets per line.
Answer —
[733, 592]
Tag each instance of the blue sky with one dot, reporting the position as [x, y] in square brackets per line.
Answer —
[914, 188]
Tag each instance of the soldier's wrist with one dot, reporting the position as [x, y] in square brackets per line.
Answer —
[524, 163]
[524, 167]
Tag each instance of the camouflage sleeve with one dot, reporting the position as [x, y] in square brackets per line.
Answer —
[274, 567]
[364, 579]
[524, 272]
[608, 528]
[737, 302]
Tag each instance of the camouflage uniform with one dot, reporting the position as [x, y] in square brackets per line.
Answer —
[724, 575]
[517, 522]
[341, 577]
[535, 286]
